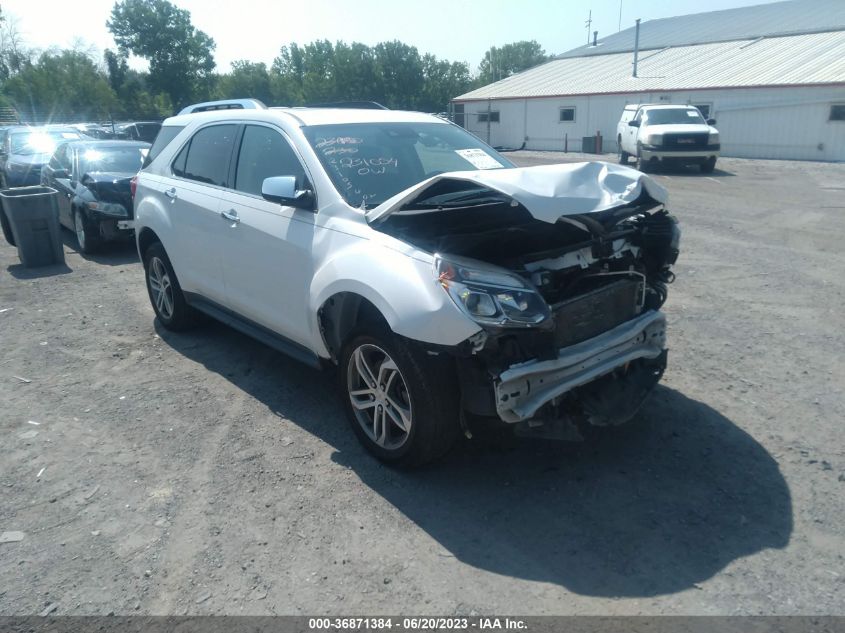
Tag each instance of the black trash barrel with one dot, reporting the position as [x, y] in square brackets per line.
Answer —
[33, 217]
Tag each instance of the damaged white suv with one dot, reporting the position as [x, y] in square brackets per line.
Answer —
[448, 286]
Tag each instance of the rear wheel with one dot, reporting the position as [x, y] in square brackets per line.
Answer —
[402, 403]
[166, 295]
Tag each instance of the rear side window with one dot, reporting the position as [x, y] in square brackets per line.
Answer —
[162, 140]
[265, 153]
[206, 157]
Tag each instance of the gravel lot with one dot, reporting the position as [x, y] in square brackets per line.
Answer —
[204, 473]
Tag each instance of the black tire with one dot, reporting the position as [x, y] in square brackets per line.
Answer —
[430, 394]
[623, 155]
[708, 166]
[642, 165]
[7, 228]
[179, 316]
[87, 233]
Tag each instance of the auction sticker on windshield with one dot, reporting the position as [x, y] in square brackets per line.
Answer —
[479, 158]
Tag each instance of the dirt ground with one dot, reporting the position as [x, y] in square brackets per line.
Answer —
[203, 473]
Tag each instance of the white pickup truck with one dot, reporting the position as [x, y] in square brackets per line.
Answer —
[667, 134]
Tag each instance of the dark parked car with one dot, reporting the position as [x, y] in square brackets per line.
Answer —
[26, 150]
[93, 181]
[139, 131]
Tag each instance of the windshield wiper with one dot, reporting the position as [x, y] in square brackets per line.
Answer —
[461, 198]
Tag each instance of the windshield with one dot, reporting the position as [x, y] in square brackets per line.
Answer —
[113, 159]
[666, 116]
[371, 162]
[28, 143]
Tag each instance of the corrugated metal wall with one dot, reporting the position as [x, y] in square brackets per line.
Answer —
[785, 123]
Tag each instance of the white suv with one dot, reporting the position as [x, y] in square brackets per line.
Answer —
[667, 134]
[447, 286]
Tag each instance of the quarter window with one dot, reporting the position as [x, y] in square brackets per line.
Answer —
[265, 153]
[207, 155]
[162, 140]
[567, 115]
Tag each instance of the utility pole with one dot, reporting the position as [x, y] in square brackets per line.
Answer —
[589, 23]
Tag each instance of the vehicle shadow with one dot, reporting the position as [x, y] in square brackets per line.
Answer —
[651, 508]
[689, 170]
[116, 253]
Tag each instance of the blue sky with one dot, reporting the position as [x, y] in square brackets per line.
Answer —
[460, 30]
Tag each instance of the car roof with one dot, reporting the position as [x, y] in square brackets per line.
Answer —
[668, 106]
[310, 116]
[106, 144]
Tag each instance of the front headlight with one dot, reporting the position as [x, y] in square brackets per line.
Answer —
[109, 208]
[490, 295]
[654, 139]
[713, 138]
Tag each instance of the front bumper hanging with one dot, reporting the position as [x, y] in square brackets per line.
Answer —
[523, 388]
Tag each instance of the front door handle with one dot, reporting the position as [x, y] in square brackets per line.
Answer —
[171, 193]
[230, 215]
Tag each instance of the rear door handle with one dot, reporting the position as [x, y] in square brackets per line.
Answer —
[230, 215]
[171, 193]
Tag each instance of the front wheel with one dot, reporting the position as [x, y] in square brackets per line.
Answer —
[642, 164]
[402, 403]
[709, 165]
[623, 155]
[86, 236]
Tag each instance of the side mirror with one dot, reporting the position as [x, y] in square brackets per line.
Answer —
[282, 189]
[634, 123]
[711, 121]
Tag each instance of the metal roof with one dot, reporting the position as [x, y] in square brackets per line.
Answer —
[816, 58]
[793, 17]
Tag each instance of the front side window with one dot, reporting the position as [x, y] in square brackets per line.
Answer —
[207, 155]
[371, 162]
[704, 108]
[265, 153]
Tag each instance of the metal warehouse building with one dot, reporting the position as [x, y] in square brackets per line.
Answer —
[772, 75]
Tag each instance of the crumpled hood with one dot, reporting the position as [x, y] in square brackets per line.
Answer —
[546, 191]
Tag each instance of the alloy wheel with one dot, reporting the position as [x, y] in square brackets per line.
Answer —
[161, 288]
[379, 397]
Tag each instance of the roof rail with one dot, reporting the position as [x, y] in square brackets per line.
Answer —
[359, 105]
[227, 104]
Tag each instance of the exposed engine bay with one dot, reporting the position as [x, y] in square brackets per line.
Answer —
[598, 349]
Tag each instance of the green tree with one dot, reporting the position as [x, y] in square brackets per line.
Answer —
[442, 81]
[501, 62]
[62, 86]
[401, 72]
[180, 56]
[246, 80]
[132, 88]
